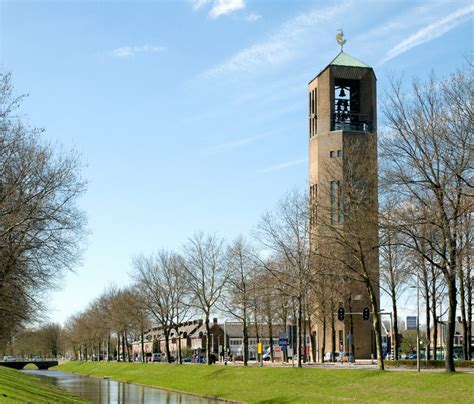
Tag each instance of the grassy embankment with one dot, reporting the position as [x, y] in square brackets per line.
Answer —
[284, 385]
[16, 386]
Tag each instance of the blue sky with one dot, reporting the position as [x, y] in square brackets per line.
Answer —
[193, 114]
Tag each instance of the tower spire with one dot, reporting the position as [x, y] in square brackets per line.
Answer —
[340, 38]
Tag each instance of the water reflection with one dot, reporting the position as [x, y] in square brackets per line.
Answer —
[103, 391]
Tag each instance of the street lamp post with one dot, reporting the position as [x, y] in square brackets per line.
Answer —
[418, 323]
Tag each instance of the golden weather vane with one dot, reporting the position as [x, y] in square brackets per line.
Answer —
[340, 39]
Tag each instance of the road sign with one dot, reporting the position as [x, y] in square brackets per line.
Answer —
[283, 341]
[277, 349]
[411, 322]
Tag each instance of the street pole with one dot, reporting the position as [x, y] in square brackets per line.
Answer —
[392, 353]
[418, 323]
[225, 342]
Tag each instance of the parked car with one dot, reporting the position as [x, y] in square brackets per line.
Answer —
[156, 357]
[9, 358]
[165, 359]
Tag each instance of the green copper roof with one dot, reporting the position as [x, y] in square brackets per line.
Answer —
[344, 59]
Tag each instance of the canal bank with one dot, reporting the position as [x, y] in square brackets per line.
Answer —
[17, 386]
[270, 384]
[105, 390]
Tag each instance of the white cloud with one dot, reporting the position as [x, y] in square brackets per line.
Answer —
[282, 166]
[198, 4]
[280, 47]
[430, 32]
[223, 7]
[128, 51]
[252, 17]
[219, 7]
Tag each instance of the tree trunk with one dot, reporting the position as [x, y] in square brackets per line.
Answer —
[434, 343]
[469, 293]
[298, 332]
[333, 337]
[428, 325]
[167, 344]
[376, 325]
[323, 343]
[246, 341]
[180, 354]
[123, 347]
[450, 328]
[469, 319]
[312, 336]
[208, 340]
[118, 347]
[395, 340]
[304, 334]
[351, 328]
[257, 335]
[143, 344]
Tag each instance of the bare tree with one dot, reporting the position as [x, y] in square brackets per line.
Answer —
[161, 281]
[285, 232]
[429, 155]
[40, 223]
[238, 289]
[207, 273]
[394, 270]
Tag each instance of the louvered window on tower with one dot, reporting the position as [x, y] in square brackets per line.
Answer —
[333, 202]
[312, 107]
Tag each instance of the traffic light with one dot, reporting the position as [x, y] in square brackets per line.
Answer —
[340, 314]
[366, 313]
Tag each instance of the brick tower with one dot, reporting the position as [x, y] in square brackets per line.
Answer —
[343, 154]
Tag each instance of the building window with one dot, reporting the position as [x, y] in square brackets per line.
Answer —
[340, 204]
[333, 202]
[313, 194]
[331, 153]
[336, 203]
[312, 99]
[339, 153]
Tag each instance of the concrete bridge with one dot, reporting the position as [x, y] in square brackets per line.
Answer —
[42, 365]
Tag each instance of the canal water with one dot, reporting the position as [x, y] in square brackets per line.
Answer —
[103, 391]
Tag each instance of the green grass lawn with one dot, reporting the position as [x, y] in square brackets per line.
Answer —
[16, 386]
[285, 385]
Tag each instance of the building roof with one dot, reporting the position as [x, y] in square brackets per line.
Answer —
[344, 59]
